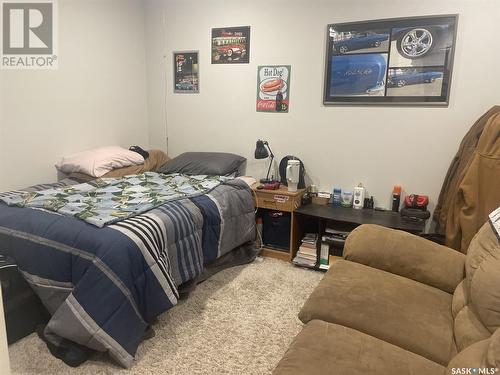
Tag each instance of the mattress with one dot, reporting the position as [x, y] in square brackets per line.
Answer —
[104, 286]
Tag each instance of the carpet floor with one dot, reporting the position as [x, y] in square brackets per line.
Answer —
[240, 321]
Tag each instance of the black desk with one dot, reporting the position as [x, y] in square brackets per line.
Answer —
[315, 218]
[364, 216]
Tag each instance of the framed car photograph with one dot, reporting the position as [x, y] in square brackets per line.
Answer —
[186, 72]
[398, 61]
[231, 45]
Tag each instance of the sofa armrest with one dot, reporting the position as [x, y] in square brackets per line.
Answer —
[406, 255]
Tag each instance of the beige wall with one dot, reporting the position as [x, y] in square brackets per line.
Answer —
[4, 354]
[340, 146]
[96, 98]
[156, 72]
[99, 96]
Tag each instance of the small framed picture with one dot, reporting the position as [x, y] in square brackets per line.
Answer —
[399, 61]
[273, 88]
[231, 45]
[186, 72]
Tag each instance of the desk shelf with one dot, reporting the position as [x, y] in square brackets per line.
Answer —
[342, 218]
[356, 217]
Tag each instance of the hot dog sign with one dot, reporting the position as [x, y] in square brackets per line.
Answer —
[273, 88]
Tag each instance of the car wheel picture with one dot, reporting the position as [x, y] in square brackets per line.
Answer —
[377, 43]
[401, 82]
[343, 49]
[415, 43]
[229, 52]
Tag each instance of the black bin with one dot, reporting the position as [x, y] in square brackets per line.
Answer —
[276, 229]
[22, 307]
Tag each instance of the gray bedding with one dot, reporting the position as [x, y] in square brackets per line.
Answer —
[105, 286]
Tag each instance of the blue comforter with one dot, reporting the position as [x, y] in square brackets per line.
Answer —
[103, 286]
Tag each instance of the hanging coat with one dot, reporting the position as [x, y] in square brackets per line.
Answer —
[471, 189]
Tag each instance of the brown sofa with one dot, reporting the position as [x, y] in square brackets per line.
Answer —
[400, 304]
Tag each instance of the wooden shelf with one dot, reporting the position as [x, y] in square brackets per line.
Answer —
[280, 200]
[277, 254]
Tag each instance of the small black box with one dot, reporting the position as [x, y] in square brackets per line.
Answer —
[276, 229]
[22, 307]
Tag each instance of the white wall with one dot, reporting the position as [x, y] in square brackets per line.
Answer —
[156, 72]
[96, 98]
[4, 354]
[340, 146]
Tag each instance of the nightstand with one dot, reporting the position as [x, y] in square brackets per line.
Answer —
[285, 201]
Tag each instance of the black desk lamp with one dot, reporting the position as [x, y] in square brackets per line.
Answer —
[262, 151]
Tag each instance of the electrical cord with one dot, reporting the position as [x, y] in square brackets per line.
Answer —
[261, 241]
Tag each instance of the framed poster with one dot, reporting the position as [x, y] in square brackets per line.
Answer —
[186, 72]
[231, 45]
[399, 61]
[273, 88]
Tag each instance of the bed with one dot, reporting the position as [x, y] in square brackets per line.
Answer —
[103, 286]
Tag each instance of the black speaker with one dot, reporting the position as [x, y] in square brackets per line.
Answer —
[22, 307]
[276, 229]
[282, 170]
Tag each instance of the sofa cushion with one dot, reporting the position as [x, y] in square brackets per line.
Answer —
[493, 354]
[483, 276]
[406, 255]
[468, 328]
[401, 311]
[483, 354]
[325, 348]
[473, 356]
[460, 299]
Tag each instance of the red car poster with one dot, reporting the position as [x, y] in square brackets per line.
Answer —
[273, 88]
[231, 45]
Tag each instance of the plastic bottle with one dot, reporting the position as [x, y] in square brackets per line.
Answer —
[279, 101]
[337, 199]
[396, 198]
[346, 199]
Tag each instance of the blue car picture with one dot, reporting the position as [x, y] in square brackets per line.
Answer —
[357, 74]
[185, 85]
[352, 41]
[419, 41]
[396, 61]
[411, 77]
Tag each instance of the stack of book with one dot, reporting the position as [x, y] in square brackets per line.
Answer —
[324, 257]
[307, 255]
[336, 240]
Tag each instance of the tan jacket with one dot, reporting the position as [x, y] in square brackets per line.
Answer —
[471, 189]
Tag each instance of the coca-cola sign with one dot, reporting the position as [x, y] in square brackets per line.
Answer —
[273, 88]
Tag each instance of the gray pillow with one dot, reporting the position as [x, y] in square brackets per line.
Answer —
[211, 163]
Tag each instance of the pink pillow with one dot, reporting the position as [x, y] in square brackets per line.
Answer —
[99, 161]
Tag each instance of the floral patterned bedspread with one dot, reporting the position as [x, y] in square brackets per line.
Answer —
[105, 201]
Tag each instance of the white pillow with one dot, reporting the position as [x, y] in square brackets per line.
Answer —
[99, 161]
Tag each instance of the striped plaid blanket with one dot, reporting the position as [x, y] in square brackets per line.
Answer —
[105, 201]
[103, 286]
